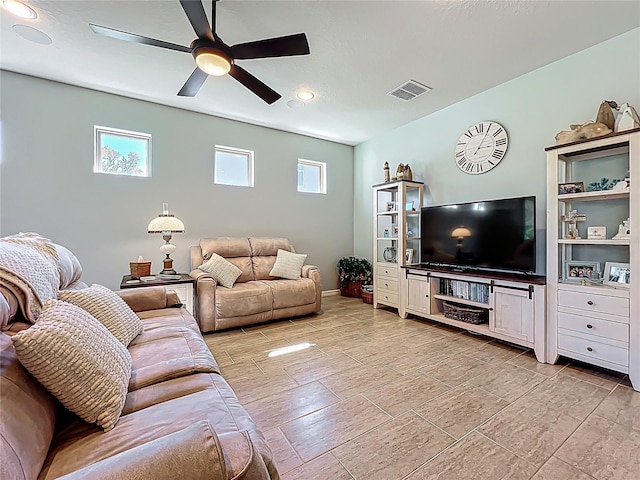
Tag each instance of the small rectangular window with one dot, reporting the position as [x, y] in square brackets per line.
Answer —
[233, 166]
[312, 176]
[121, 152]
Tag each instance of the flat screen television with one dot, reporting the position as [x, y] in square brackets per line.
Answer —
[498, 235]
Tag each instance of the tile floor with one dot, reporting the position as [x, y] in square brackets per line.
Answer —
[379, 397]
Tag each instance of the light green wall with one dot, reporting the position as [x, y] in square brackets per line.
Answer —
[47, 184]
[533, 108]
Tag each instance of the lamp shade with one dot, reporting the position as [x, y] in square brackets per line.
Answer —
[165, 223]
[461, 232]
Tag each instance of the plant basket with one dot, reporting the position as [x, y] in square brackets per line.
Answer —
[351, 289]
[140, 269]
[367, 294]
[465, 314]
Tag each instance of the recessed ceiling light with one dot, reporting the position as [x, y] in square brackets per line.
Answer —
[305, 95]
[295, 104]
[32, 34]
[19, 9]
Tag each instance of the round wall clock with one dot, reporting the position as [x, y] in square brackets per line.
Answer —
[481, 147]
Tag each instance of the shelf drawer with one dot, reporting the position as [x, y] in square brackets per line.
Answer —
[593, 349]
[387, 270]
[594, 326]
[387, 297]
[386, 283]
[594, 303]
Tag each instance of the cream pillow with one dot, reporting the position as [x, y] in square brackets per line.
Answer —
[223, 271]
[76, 358]
[108, 308]
[288, 265]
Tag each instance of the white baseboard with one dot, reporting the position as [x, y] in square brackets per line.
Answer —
[329, 293]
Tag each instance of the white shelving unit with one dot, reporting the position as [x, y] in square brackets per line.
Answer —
[592, 322]
[401, 222]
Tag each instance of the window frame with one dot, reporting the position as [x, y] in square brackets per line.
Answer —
[322, 187]
[250, 155]
[99, 131]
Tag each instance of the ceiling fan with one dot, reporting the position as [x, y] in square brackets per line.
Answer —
[214, 57]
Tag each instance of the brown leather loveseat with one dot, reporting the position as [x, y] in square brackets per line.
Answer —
[255, 296]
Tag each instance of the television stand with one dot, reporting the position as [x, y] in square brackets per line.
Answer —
[511, 305]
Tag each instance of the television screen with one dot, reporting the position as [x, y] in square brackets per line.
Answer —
[493, 234]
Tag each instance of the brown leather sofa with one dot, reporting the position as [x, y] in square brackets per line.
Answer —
[255, 297]
[181, 419]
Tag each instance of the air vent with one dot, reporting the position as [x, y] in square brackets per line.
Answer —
[409, 90]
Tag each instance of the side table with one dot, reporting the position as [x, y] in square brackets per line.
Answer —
[183, 287]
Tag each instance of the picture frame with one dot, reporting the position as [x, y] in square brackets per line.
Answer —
[617, 274]
[409, 206]
[579, 270]
[408, 256]
[597, 233]
[121, 152]
[391, 206]
[570, 187]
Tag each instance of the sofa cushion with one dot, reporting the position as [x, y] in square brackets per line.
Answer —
[76, 358]
[243, 299]
[288, 265]
[27, 417]
[264, 246]
[68, 266]
[223, 272]
[292, 293]
[108, 308]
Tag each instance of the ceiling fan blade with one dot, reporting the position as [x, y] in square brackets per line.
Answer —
[132, 37]
[213, 17]
[262, 90]
[272, 47]
[193, 84]
[195, 13]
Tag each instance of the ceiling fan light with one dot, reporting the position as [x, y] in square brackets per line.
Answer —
[212, 61]
[19, 9]
[305, 95]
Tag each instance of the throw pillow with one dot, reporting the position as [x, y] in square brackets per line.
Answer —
[223, 271]
[108, 308]
[288, 265]
[76, 358]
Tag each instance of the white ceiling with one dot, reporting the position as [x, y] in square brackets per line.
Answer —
[360, 50]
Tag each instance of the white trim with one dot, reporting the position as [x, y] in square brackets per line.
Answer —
[330, 293]
[249, 154]
[322, 187]
[97, 150]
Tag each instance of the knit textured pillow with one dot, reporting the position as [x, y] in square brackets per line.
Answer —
[76, 358]
[288, 265]
[108, 308]
[223, 271]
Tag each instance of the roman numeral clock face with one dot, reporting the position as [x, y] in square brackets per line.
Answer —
[481, 147]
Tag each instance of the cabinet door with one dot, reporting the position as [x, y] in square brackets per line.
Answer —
[418, 293]
[513, 313]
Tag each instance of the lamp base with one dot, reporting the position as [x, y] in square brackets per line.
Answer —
[167, 263]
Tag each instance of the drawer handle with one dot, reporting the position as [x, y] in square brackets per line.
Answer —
[590, 302]
[589, 349]
[589, 325]
[386, 271]
[386, 284]
[386, 298]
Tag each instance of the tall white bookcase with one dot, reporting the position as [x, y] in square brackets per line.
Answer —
[588, 321]
[396, 228]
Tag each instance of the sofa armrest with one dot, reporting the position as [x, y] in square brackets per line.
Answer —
[194, 453]
[205, 300]
[313, 272]
[149, 298]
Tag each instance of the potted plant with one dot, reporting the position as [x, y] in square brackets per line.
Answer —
[353, 272]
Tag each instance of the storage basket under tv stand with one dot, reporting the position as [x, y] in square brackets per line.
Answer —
[514, 303]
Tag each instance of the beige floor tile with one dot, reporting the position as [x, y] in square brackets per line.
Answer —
[254, 387]
[274, 410]
[528, 360]
[320, 431]
[604, 449]
[455, 344]
[406, 393]
[321, 367]
[244, 368]
[530, 430]
[393, 449]
[326, 467]
[576, 397]
[496, 352]
[461, 410]
[593, 374]
[509, 383]
[475, 457]
[290, 359]
[285, 456]
[457, 369]
[556, 469]
[406, 360]
[621, 406]
[359, 379]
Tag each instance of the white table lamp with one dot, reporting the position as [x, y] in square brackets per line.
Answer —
[167, 224]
